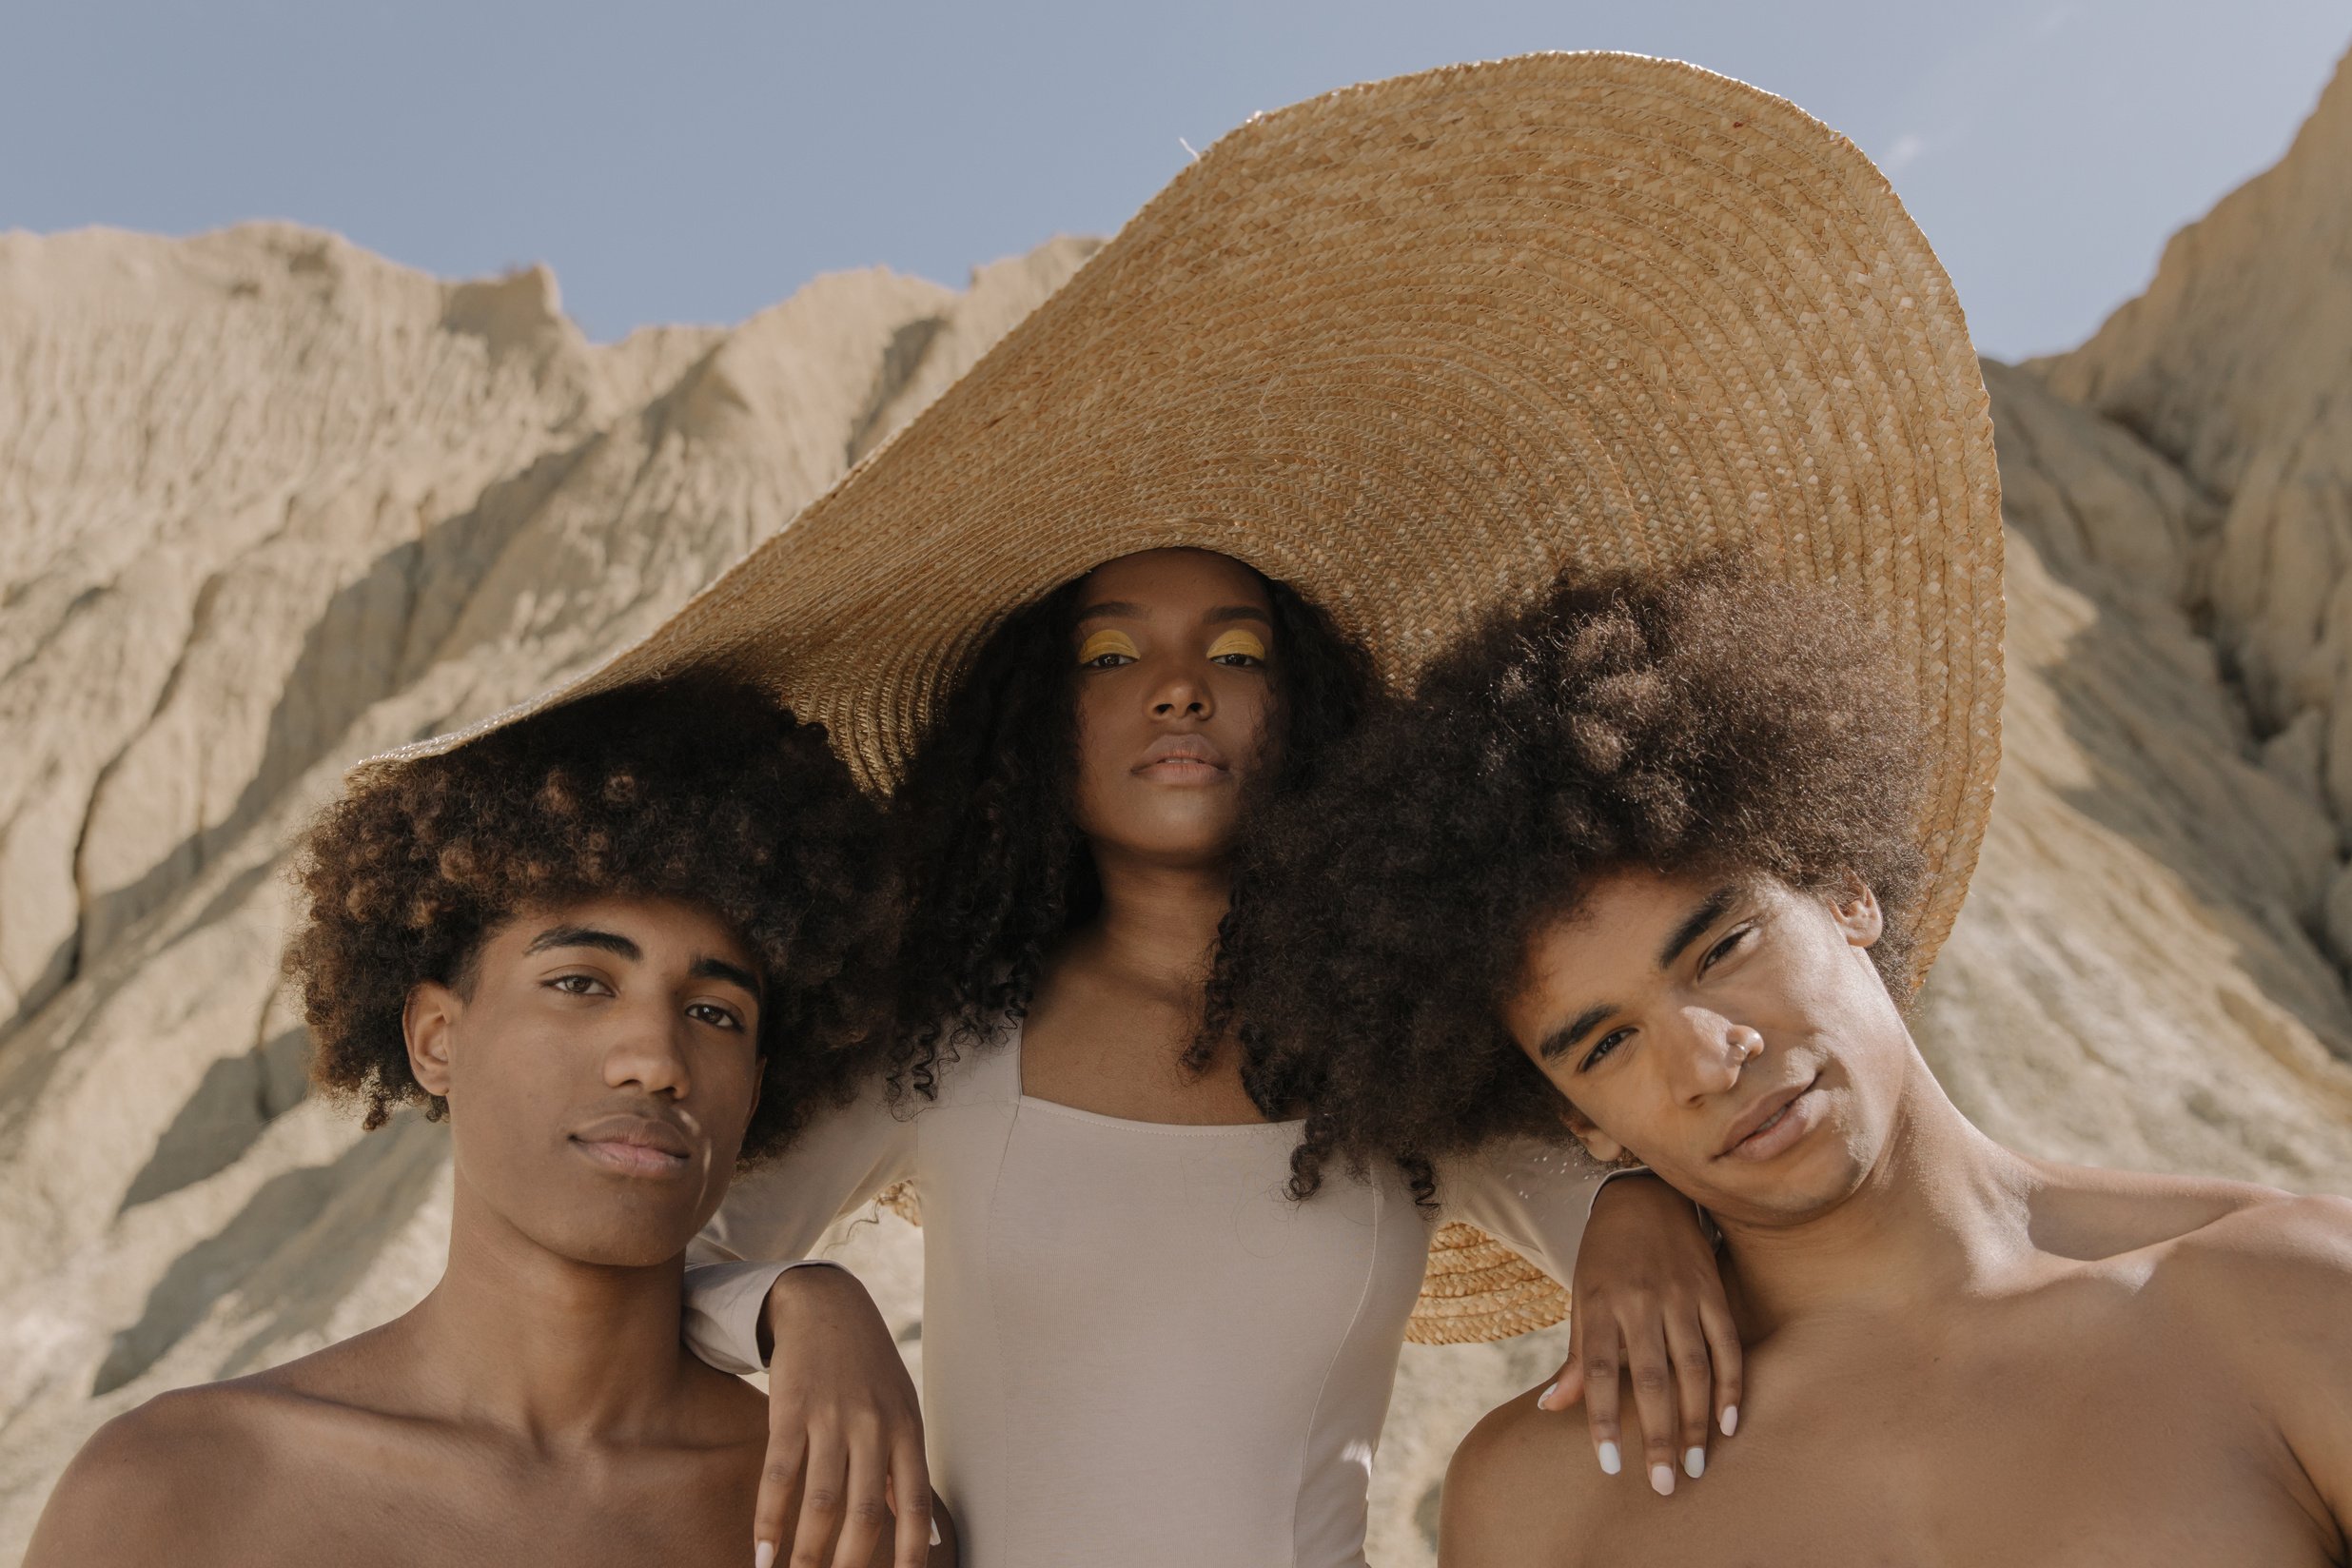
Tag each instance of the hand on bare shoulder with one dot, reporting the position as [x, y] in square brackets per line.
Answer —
[133, 1493]
[1509, 1501]
[2269, 1289]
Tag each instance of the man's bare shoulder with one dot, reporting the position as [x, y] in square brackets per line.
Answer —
[1517, 1488]
[145, 1481]
[132, 1493]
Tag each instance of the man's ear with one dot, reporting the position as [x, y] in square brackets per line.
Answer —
[428, 1020]
[1597, 1143]
[1855, 909]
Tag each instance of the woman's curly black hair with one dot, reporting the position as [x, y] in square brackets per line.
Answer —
[697, 790]
[1693, 721]
[985, 828]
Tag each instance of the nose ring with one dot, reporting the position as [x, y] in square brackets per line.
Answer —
[1748, 1044]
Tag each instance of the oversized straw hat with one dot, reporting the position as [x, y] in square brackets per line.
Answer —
[1415, 347]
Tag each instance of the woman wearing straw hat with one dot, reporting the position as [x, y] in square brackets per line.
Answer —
[1128, 1315]
[1408, 351]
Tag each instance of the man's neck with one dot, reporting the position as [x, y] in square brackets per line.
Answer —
[1943, 1215]
[551, 1349]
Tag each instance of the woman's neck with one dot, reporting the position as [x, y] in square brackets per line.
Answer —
[1158, 924]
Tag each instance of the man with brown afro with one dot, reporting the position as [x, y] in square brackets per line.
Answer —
[1633, 868]
[621, 947]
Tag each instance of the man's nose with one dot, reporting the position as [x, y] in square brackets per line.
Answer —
[1710, 1051]
[648, 1052]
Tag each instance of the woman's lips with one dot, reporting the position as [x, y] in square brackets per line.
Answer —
[1182, 769]
[1182, 759]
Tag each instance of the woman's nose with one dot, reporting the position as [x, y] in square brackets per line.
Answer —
[1183, 696]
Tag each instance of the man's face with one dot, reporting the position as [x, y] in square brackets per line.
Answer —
[1732, 1034]
[1175, 653]
[601, 1072]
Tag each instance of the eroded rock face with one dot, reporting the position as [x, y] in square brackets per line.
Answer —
[2237, 365]
[268, 504]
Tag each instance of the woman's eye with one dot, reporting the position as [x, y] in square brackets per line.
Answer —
[1725, 948]
[1607, 1043]
[1238, 649]
[718, 1017]
[1107, 650]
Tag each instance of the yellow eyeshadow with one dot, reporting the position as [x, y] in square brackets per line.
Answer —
[1107, 642]
[1237, 641]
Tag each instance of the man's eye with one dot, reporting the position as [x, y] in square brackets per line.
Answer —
[575, 985]
[1608, 1043]
[1725, 948]
[718, 1017]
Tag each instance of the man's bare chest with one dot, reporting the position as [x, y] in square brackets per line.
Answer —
[2096, 1445]
[423, 1505]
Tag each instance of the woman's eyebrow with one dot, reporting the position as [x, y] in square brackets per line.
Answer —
[1112, 607]
[1237, 611]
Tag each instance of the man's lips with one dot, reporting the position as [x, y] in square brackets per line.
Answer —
[1773, 1122]
[635, 1145]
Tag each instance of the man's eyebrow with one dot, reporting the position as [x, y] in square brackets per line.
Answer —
[1562, 1042]
[1694, 924]
[584, 936]
[719, 969]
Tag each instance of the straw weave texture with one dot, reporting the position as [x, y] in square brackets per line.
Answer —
[1415, 347]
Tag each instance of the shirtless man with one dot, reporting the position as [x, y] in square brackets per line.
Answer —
[1697, 803]
[620, 947]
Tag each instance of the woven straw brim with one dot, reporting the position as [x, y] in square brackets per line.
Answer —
[1415, 347]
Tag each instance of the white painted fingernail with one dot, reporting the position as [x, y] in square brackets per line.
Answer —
[1610, 1465]
[763, 1553]
[1662, 1479]
[1695, 1463]
[1544, 1400]
[1731, 1420]
[934, 1532]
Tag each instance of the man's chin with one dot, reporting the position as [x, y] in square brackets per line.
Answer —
[1803, 1184]
[638, 1246]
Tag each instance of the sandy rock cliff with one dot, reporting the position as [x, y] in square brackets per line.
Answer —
[268, 504]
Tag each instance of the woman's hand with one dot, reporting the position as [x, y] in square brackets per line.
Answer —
[1649, 1298]
[845, 1432]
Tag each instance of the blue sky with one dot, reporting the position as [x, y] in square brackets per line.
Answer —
[697, 160]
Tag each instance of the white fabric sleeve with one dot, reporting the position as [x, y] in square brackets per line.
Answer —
[773, 1216]
[1533, 1197]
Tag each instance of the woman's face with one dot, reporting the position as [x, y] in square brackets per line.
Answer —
[1175, 653]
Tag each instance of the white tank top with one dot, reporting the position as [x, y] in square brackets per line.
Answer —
[1136, 1350]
